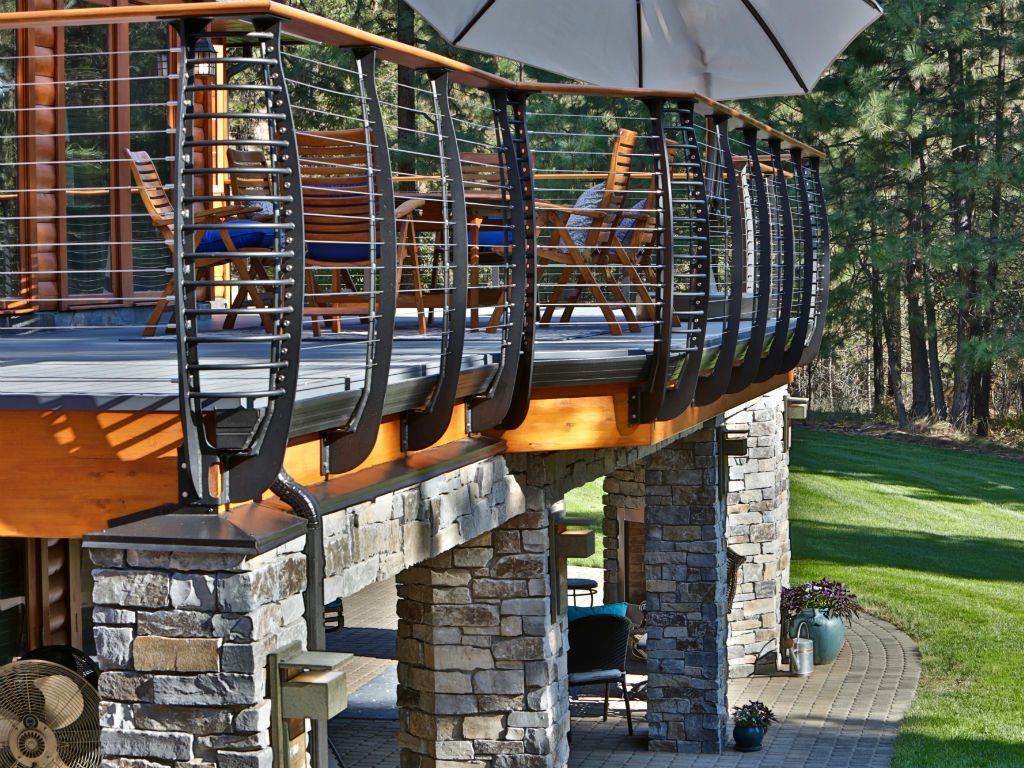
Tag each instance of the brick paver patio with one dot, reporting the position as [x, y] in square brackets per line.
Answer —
[843, 716]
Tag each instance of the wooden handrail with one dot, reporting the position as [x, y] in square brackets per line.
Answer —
[317, 28]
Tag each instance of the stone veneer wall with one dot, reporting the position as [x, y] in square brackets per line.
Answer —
[758, 529]
[182, 640]
[685, 569]
[482, 678]
[374, 541]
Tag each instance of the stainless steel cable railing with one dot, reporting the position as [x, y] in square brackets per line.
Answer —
[429, 241]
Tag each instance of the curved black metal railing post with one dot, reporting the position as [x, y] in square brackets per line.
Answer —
[819, 214]
[519, 404]
[743, 375]
[422, 428]
[795, 352]
[710, 388]
[647, 399]
[689, 306]
[346, 448]
[248, 443]
[490, 409]
[772, 365]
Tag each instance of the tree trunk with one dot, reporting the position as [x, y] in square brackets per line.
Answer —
[934, 366]
[920, 405]
[961, 202]
[877, 352]
[890, 330]
[405, 162]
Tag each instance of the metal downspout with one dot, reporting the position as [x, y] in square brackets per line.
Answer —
[303, 504]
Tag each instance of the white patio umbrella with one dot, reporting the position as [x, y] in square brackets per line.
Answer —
[724, 49]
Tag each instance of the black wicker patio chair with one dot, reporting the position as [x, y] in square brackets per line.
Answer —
[597, 654]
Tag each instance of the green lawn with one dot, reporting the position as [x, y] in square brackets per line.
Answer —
[932, 540]
[586, 501]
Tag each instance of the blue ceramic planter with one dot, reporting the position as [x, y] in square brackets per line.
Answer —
[827, 633]
[748, 738]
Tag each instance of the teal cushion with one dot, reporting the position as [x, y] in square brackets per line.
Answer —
[612, 609]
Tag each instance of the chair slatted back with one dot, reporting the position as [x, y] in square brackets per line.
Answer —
[616, 185]
[335, 185]
[249, 183]
[151, 189]
[482, 171]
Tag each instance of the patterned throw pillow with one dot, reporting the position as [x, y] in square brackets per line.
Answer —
[579, 226]
[625, 231]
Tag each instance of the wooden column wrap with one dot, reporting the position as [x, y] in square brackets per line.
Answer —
[41, 151]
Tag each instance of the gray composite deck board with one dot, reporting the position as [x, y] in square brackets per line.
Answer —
[115, 368]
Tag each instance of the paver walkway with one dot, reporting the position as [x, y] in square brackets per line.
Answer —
[843, 716]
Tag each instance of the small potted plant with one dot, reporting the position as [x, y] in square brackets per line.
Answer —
[752, 720]
[823, 606]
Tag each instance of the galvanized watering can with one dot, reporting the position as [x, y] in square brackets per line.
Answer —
[801, 655]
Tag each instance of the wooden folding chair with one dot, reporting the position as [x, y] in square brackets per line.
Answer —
[562, 249]
[336, 200]
[162, 215]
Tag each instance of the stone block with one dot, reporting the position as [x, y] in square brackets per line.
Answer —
[159, 745]
[193, 591]
[200, 721]
[153, 653]
[107, 615]
[482, 727]
[259, 758]
[113, 647]
[502, 682]
[131, 589]
[175, 623]
[253, 719]
[218, 689]
[126, 686]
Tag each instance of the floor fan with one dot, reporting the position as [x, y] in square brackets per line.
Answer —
[49, 717]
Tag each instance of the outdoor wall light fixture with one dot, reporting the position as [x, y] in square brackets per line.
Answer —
[163, 64]
[205, 52]
[795, 409]
[732, 442]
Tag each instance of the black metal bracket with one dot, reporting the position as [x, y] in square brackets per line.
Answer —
[772, 365]
[490, 410]
[422, 428]
[819, 215]
[519, 403]
[247, 443]
[743, 375]
[795, 352]
[346, 448]
[691, 305]
[647, 399]
[710, 388]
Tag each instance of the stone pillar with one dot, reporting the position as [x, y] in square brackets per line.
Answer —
[182, 640]
[482, 678]
[758, 529]
[686, 595]
[624, 491]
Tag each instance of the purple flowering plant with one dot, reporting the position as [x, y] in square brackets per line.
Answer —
[753, 714]
[834, 597]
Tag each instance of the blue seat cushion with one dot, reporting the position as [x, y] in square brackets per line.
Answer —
[612, 609]
[581, 584]
[340, 253]
[494, 233]
[241, 238]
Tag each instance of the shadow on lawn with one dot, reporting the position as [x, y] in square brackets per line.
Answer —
[929, 474]
[960, 556]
